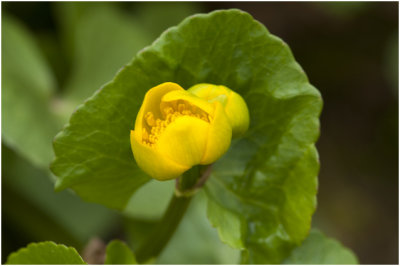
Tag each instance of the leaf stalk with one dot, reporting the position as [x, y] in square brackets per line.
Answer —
[186, 187]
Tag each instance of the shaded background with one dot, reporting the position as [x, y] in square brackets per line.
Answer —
[349, 52]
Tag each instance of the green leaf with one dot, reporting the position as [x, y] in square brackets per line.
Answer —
[45, 253]
[228, 224]
[28, 125]
[268, 178]
[275, 213]
[118, 252]
[263, 191]
[319, 249]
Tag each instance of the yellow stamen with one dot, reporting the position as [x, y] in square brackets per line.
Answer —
[181, 107]
[168, 110]
[171, 113]
[145, 134]
[149, 117]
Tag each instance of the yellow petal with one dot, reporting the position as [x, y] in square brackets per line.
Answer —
[153, 163]
[208, 91]
[218, 137]
[176, 129]
[184, 140]
[189, 97]
[238, 114]
[151, 103]
[234, 105]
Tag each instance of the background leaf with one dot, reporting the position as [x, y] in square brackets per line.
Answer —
[267, 179]
[155, 18]
[150, 201]
[319, 249]
[118, 252]
[104, 40]
[45, 253]
[60, 217]
[28, 125]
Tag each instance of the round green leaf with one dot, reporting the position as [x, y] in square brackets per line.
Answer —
[266, 184]
[262, 193]
[45, 253]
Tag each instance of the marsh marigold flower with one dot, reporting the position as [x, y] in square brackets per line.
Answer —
[175, 130]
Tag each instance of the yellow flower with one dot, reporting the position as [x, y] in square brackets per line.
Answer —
[175, 130]
[234, 105]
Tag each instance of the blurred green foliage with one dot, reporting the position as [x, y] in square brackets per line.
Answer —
[62, 211]
[104, 39]
[118, 252]
[28, 125]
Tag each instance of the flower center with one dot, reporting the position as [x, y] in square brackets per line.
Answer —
[170, 112]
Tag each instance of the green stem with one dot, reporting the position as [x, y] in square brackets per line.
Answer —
[164, 230]
[186, 187]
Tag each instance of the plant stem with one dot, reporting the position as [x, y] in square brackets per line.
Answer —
[186, 187]
[194, 180]
[164, 230]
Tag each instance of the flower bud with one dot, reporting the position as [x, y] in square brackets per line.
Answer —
[175, 130]
[234, 105]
